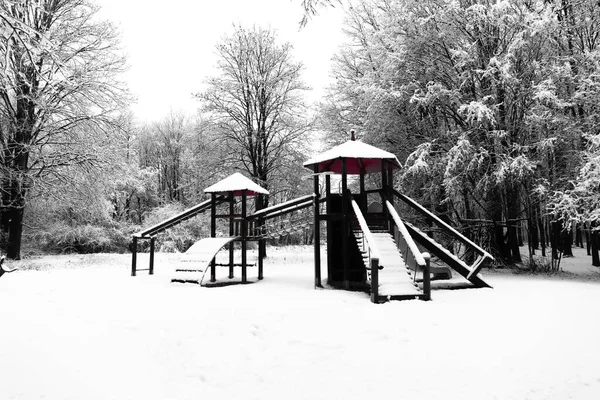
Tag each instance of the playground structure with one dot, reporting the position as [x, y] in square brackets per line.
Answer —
[369, 246]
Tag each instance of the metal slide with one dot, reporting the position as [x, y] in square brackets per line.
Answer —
[200, 255]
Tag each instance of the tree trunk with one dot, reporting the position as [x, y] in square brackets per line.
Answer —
[15, 233]
[532, 237]
[12, 219]
[555, 238]
[567, 242]
[513, 239]
[595, 248]
[520, 233]
[586, 229]
[542, 236]
[578, 235]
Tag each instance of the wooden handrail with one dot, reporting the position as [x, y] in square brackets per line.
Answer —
[281, 206]
[447, 228]
[421, 260]
[374, 252]
[412, 246]
[182, 216]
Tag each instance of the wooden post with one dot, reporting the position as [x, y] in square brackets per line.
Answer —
[595, 248]
[151, 267]
[384, 192]
[213, 233]
[327, 223]
[426, 277]
[262, 244]
[390, 188]
[244, 235]
[390, 178]
[260, 259]
[374, 280]
[134, 255]
[345, 229]
[231, 232]
[317, 229]
[363, 195]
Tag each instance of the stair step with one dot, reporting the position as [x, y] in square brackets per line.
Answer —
[185, 275]
[179, 280]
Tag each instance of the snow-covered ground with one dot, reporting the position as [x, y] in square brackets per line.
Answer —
[79, 327]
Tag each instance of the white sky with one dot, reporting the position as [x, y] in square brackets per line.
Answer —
[170, 45]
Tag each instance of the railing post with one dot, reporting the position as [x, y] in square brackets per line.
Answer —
[427, 277]
[134, 255]
[151, 267]
[374, 280]
[261, 247]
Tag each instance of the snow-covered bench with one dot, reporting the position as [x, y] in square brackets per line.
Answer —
[4, 269]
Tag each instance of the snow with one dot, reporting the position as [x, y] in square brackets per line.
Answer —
[79, 327]
[236, 183]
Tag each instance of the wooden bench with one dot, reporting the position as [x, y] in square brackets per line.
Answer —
[3, 269]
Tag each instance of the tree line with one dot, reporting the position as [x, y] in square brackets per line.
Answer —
[78, 172]
[491, 105]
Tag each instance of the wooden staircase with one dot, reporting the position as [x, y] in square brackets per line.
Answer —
[395, 280]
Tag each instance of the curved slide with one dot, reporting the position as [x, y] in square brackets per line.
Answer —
[202, 253]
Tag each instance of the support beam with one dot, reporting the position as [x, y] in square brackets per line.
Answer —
[134, 244]
[262, 246]
[317, 229]
[384, 191]
[363, 195]
[329, 227]
[345, 230]
[261, 256]
[213, 233]
[389, 194]
[231, 232]
[244, 235]
[151, 266]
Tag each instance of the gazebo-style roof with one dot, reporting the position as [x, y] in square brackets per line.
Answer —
[359, 156]
[236, 183]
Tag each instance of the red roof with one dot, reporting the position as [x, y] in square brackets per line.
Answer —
[358, 155]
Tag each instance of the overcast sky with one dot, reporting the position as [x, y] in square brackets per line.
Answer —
[170, 44]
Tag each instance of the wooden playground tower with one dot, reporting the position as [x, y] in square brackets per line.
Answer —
[368, 248]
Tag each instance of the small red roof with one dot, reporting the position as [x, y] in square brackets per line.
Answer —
[357, 155]
[236, 183]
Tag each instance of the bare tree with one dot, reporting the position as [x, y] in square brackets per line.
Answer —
[58, 95]
[311, 8]
[256, 102]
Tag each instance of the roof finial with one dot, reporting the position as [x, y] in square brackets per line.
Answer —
[352, 137]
